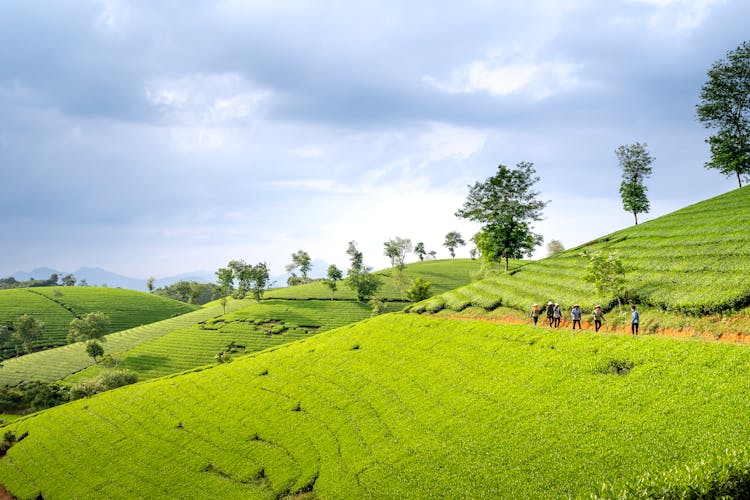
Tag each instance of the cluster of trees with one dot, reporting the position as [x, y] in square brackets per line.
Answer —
[191, 292]
[239, 279]
[53, 280]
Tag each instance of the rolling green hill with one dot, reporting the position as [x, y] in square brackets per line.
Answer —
[695, 261]
[197, 338]
[399, 406]
[56, 306]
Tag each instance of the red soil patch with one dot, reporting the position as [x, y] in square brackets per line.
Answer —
[736, 338]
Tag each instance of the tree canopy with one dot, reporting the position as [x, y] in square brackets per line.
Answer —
[396, 250]
[452, 241]
[506, 205]
[725, 106]
[635, 161]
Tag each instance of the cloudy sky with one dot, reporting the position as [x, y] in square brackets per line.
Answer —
[152, 138]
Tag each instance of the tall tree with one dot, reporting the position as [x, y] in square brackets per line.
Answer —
[259, 280]
[725, 106]
[150, 284]
[225, 278]
[505, 204]
[396, 250]
[300, 260]
[607, 272]
[452, 241]
[359, 278]
[68, 280]
[554, 247]
[27, 329]
[420, 251]
[333, 276]
[635, 161]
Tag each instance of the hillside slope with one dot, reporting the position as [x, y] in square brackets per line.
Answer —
[695, 260]
[56, 306]
[398, 406]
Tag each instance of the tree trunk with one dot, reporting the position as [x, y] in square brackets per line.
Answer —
[739, 179]
[636, 218]
[506, 264]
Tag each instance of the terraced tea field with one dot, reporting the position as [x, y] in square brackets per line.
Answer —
[57, 306]
[695, 261]
[55, 364]
[399, 406]
[249, 329]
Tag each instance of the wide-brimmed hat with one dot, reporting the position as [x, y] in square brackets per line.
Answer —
[549, 303]
[576, 305]
[597, 306]
[534, 305]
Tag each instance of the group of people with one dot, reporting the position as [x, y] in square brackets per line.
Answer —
[554, 316]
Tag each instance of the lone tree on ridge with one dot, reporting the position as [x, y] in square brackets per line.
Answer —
[635, 161]
[452, 241]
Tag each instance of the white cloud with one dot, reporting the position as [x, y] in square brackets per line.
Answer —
[501, 76]
[678, 16]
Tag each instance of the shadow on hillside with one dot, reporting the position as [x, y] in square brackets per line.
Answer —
[144, 362]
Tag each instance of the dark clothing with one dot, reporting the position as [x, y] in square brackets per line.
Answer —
[634, 328]
[579, 324]
[597, 324]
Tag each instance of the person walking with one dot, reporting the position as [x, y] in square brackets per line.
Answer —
[535, 313]
[635, 318]
[598, 317]
[556, 315]
[550, 313]
[576, 314]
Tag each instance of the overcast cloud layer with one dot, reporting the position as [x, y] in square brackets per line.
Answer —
[152, 138]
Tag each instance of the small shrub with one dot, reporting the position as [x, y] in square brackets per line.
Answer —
[617, 367]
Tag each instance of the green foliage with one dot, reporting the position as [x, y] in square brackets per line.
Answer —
[91, 326]
[418, 290]
[32, 396]
[505, 204]
[378, 307]
[333, 276]
[191, 292]
[725, 106]
[635, 161]
[363, 283]
[27, 329]
[400, 405]
[252, 279]
[607, 272]
[396, 250]
[94, 349]
[108, 380]
[692, 261]
[452, 241]
[300, 260]
[420, 251]
[554, 247]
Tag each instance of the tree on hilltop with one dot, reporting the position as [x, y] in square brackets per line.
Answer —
[420, 251]
[225, 278]
[554, 247]
[505, 204]
[452, 241]
[725, 106]
[150, 284]
[333, 276]
[635, 161]
[396, 250]
[359, 278]
[68, 280]
[300, 260]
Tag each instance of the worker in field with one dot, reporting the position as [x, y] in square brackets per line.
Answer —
[576, 315]
[535, 313]
[598, 317]
[635, 318]
[550, 313]
[556, 315]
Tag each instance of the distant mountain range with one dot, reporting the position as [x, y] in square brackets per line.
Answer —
[96, 276]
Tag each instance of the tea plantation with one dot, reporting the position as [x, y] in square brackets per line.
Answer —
[692, 261]
[401, 406]
[57, 306]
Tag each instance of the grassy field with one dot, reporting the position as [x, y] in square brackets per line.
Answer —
[249, 329]
[55, 364]
[57, 306]
[693, 261]
[400, 406]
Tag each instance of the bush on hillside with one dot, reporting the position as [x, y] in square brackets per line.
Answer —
[32, 396]
[110, 379]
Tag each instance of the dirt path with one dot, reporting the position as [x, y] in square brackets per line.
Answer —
[735, 338]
